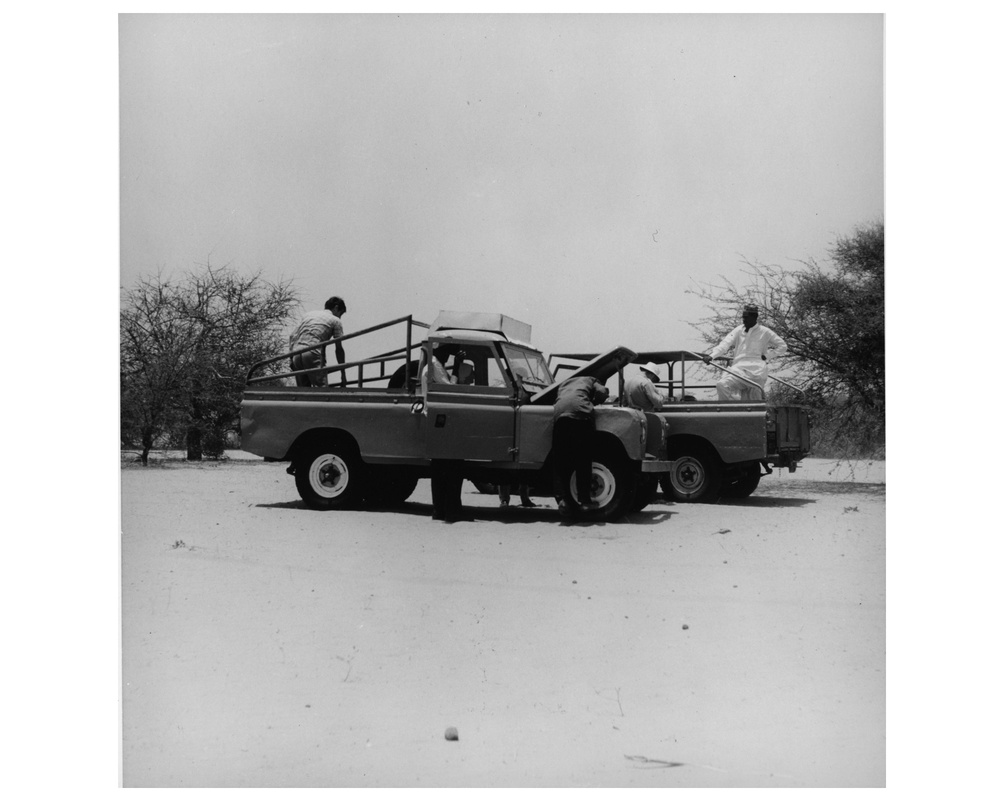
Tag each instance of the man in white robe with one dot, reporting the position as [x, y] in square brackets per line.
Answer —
[750, 343]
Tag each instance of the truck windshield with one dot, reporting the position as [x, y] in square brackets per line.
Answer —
[528, 365]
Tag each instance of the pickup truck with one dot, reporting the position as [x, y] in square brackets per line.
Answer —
[718, 449]
[373, 439]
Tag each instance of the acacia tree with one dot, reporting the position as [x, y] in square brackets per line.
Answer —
[186, 347]
[833, 319]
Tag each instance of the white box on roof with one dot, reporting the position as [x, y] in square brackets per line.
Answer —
[513, 329]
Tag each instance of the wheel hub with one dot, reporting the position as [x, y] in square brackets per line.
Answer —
[688, 475]
[602, 485]
[329, 476]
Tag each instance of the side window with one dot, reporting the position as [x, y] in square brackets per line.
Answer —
[481, 366]
[496, 375]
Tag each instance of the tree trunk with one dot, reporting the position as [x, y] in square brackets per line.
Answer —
[147, 445]
[194, 451]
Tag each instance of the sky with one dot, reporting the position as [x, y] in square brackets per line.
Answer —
[580, 173]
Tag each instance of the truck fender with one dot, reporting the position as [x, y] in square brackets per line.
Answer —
[312, 436]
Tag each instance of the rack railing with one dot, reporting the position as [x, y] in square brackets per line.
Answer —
[380, 360]
[677, 387]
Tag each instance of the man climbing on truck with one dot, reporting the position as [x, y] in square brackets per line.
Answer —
[749, 342]
[316, 327]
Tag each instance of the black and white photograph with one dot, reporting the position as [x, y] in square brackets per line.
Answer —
[502, 400]
[498, 398]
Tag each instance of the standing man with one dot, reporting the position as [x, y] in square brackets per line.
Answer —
[504, 490]
[446, 490]
[573, 439]
[446, 474]
[641, 393]
[750, 343]
[316, 327]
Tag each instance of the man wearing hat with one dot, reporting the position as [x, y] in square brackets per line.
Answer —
[639, 389]
[750, 343]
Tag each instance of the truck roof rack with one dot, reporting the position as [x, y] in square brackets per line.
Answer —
[513, 330]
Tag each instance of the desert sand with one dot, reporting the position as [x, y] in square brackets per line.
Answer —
[264, 644]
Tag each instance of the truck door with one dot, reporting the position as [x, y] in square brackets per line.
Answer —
[472, 420]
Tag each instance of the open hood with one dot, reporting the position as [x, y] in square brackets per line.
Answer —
[601, 367]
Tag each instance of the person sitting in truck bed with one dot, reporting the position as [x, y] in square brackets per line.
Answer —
[641, 393]
[316, 327]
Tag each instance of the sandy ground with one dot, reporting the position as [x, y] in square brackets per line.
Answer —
[734, 645]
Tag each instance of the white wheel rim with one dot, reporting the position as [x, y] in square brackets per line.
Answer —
[329, 476]
[602, 485]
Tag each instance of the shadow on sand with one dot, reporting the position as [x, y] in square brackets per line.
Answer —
[511, 515]
[757, 501]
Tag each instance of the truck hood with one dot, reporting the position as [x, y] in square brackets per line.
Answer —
[601, 367]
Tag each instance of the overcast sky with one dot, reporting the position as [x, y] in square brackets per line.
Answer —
[576, 172]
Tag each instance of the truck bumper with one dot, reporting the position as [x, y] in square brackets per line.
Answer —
[789, 461]
[652, 465]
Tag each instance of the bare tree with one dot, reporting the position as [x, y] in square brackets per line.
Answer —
[186, 347]
[833, 319]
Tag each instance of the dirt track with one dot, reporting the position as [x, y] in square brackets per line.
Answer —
[265, 644]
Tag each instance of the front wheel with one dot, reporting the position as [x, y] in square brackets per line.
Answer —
[696, 477]
[330, 475]
[612, 486]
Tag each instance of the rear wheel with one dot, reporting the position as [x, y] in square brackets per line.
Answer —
[745, 485]
[389, 486]
[696, 476]
[612, 486]
[330, 475]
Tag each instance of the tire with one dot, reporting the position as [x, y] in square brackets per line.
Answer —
[330, 475]
[745, 485]
[389, 486]
[645, 492]
[696, 476]
[613, 486]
